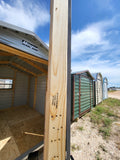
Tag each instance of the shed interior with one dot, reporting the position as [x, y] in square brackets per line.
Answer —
[22, 102]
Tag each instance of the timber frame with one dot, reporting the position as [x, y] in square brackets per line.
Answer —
[58, 97]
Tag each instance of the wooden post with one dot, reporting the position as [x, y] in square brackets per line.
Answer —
[14, 81]
[28, 96]
[35, 92]
[56, 96]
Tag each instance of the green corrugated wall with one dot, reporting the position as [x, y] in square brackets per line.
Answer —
[82, 95]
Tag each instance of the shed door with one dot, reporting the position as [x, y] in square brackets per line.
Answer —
[86, 94]
[76, 96]
[99, 91]
[105, 90]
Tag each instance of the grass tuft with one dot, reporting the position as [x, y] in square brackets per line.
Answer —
[80, 128]
[75, 147]
[103, 116]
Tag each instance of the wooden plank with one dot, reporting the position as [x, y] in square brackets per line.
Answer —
[5, 54]
[18, 66]
[15, 69]
[34, 65]
[35, 92]
[23, 68]
[56, 98]
[4, 62]
[14, 81]
[17, 52]
[19, 131]
[28, 96]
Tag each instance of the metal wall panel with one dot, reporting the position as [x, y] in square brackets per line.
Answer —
[41, 94]
[21, 89]
[98, 85]
[82, 94]
[31, 96]
[105, 88]
[6, 95]
[22, 42]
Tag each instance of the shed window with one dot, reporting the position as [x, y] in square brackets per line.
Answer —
[6, 83]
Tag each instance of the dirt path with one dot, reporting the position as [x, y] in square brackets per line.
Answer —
[115, 94]
[88, 143]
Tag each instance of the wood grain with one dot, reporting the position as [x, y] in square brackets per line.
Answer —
[34, 65]
[17, 52]
[21, 128]
[56, 98]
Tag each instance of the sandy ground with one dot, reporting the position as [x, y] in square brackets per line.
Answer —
[115, 94]
[90, 145]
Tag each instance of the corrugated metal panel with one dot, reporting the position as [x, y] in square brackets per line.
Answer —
[41, 94]
[21, 41]
[82, 94]
[86, 99]
[21, 89]
[6, 72]
[6, 95]
[32, 86]
[105, 88]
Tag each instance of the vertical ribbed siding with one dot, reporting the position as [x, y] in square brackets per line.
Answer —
[85, 94]
[82, 95]
[94, 93]
[41, 94]
[21, 89]
[99, 95]
[31, 94]
[6, 95]
[105, 88]
[76, 96]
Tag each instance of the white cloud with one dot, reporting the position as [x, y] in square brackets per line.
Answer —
[104, 5]
[94, 64]
[24, 13]
[92, 37]
[94, 49]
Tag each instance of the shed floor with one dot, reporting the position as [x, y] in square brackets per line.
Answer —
[21, 128]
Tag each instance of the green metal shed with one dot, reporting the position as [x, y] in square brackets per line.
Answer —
[81, 93]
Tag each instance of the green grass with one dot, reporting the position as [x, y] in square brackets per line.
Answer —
[80, 128]
[104, 114]
[105, 131]
[75, 147]
[112, 102]
[103, 148]
[98, 156]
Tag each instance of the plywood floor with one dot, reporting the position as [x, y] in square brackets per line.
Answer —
[21, 128]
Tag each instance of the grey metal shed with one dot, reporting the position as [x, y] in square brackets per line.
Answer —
[23, 76]
[105, 88]
[98, 85]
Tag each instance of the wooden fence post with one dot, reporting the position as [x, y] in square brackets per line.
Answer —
[57, 84]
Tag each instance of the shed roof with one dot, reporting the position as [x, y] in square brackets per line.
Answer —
[86, 71]
[23, 39]
[105, 78]
[95, 75]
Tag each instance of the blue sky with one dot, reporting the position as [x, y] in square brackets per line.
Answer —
[95, 31]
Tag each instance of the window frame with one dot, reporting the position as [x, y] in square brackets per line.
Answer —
[8, 78]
